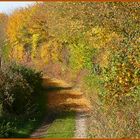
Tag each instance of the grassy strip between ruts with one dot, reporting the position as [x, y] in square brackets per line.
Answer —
[62, 127]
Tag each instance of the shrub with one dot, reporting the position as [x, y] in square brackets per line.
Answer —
[33, 77]
[121, 77]
[114, 121]
[6, 129]
[19, 90]
[15, 93]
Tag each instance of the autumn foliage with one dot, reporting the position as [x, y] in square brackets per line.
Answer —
[94, 44]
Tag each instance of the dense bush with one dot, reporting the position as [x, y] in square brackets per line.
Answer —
[32, 76]
[16, 94]
[121, 76]
[114, 121]
[81, 54]
[19, 89]
[20, 97]
[6, 129]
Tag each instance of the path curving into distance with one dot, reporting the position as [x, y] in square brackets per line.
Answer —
[62, 96]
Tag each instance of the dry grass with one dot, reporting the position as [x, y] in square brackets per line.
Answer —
[49, 82]
[65, 98]
[77, 102]
[71, 92]
[67, 101]
[114, 121]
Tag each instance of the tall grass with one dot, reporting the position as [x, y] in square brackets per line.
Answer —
[112, 121]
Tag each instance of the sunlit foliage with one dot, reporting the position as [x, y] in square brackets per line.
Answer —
[93, 34]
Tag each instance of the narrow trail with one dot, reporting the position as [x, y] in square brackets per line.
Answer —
[41, 131]
[64, 97]
[81, 127]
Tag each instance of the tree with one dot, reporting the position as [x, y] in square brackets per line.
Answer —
[3, 22]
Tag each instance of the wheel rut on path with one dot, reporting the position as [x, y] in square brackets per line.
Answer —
[81, 125]
[42, 130]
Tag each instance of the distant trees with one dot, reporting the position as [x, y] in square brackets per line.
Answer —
[3, 22]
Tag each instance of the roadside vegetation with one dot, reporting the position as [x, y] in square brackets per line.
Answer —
[62, 127]
[95, 46]
[21, 99]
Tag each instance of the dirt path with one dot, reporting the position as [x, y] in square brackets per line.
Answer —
[61, 97]
[42, 130]
[81, 126]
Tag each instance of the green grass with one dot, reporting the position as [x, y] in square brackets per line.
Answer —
[25, 127]
[21, 128]
[62, 127]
